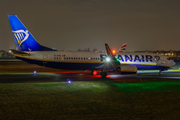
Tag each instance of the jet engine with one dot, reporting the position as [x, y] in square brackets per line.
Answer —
[127, 69]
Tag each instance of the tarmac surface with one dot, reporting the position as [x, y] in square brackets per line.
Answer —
[21, 72]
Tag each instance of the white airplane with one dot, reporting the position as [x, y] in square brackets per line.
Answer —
[31, 51]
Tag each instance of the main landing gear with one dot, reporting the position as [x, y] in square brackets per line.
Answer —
[103, 74]
[118, 70]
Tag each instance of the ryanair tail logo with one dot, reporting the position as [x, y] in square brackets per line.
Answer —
[21, 36]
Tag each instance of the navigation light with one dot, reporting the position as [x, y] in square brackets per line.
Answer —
[94, 72]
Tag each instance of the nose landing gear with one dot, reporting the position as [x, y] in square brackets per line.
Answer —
[160, 72]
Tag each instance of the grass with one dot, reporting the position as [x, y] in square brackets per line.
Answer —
[90, 100]
[110, 99]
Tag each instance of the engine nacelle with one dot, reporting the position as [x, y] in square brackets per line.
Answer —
[128, 69]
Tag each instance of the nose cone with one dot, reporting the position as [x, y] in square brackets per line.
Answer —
[172, 63]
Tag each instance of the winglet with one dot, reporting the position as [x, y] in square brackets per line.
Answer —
[19, 52]
[109, 52]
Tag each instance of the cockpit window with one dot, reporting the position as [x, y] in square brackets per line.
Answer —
[169, 58]
[156, 58]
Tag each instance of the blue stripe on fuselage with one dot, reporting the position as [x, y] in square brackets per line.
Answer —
[63, 65]
[150, 67]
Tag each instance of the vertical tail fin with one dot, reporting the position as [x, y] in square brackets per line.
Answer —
[123, 48]
[23, 39]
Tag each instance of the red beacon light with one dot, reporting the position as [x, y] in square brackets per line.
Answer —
[94, 72]
[114, 51]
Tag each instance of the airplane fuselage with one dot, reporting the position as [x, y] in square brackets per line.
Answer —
[94, 60]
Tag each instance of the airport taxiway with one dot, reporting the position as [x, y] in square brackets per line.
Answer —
[30, 77]
[21, 72]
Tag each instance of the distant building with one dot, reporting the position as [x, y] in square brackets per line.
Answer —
[5, 54]
[168, 53]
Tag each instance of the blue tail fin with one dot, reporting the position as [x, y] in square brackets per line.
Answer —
[24, 41]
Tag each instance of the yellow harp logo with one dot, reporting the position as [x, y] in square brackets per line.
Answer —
[21, 36]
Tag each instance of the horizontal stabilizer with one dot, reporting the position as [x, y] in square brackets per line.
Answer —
[19, 52]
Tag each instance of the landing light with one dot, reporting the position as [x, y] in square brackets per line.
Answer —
[114, 51]
[34, 72]
[108, 59]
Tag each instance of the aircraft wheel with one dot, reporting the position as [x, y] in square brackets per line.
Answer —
[92, 72]
[103, 74]
[118, 70]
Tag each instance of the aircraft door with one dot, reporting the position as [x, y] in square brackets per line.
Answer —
[45, 58]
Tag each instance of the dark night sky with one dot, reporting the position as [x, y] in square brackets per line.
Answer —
[73, 24]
